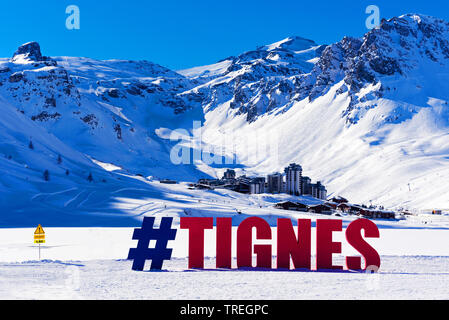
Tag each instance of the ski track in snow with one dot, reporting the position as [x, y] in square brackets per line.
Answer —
[52, 194]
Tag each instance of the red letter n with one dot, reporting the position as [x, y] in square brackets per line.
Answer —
[299, 249]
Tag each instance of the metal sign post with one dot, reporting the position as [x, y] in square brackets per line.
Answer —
[39, 237]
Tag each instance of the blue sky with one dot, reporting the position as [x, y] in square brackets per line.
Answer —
[181, 34]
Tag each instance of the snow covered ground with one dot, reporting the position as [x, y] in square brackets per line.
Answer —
[79, 170]
[408, 277]
[89, 263]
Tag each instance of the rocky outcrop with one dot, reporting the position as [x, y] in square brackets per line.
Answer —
[29, 51]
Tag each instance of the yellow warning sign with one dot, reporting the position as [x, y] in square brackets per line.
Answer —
[39, 235]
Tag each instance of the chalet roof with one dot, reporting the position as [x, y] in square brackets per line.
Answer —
[320, 205]
[288, 202]
[296, 203]
[344, 204]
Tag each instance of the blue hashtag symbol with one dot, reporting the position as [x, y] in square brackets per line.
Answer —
[159, 253]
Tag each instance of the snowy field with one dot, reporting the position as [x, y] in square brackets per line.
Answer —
[83, 261]
[413, 277]
[89, 263]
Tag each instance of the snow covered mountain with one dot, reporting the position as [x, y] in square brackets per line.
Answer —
[258, 81]
[73, 127]
[368, 117]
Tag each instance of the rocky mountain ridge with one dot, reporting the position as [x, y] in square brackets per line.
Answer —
[385, 91]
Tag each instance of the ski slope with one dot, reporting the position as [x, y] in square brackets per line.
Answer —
[365, 116]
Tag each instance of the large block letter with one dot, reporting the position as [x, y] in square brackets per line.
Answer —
[355, 239]
[244, 243]
[288, 245]
[224, 243]
[196, 227]
[324, 245]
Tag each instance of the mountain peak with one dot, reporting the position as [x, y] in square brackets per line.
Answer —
[294, 43]
[30, 51]
[427, 24]
[418, 17]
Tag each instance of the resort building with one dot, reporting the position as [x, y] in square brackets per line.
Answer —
[275, 183]
[293, 175]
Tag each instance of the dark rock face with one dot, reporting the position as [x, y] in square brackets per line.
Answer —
[261, 80]
[35, 83]
[45, 116]
[113, 93]
[16, 77]
[90, 119]
[393, 49]
[134, 90]
[50, 102]
[253, 83]
[118, 130]
[30, 50]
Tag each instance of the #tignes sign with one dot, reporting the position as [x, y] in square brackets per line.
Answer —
[291, 247]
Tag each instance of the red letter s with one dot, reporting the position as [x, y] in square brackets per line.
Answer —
[355, 239]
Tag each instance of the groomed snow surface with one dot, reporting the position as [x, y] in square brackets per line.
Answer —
[89, 263]
[401, 278]
[85, 262]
